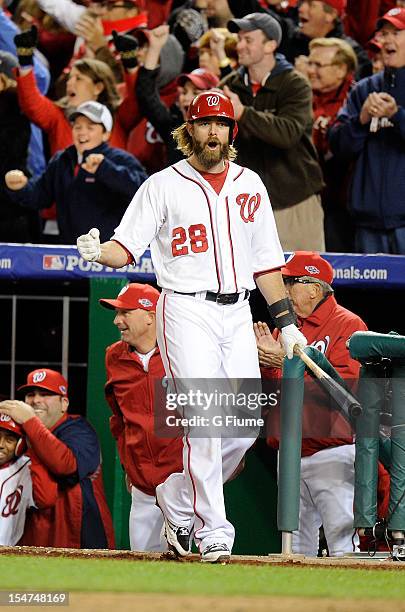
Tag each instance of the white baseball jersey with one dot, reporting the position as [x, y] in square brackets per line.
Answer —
[15, 498]
[199, 240]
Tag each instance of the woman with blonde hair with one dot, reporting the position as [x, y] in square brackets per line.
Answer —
[88, 79]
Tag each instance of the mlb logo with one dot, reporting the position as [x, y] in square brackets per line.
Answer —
[53, 262]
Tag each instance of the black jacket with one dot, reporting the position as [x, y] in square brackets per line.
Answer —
[17, 224]
[275, 133]
[85, 200]
[163, 119]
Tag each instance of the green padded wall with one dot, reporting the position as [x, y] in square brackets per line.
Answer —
[102, 332]
[251, 502]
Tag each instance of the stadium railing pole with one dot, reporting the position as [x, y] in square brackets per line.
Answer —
[292, 396]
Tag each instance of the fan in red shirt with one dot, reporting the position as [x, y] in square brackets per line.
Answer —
[327, 464]
[76, 513]
[135, 376]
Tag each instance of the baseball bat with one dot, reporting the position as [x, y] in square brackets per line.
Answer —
[347, 403]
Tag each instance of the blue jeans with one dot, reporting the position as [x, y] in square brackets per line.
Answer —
[380, 241]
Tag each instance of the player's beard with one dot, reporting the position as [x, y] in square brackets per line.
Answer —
[208, 157]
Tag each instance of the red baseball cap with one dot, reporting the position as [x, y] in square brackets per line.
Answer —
[338, 5]
[50, 380]
[308, 263]
[396, 16]
[6, 422]
[201, 78]
[133, 296]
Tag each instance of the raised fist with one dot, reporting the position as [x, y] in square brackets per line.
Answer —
[92, 162]
[26, 43]
[88, 245]
[15, 180]
[158, 36]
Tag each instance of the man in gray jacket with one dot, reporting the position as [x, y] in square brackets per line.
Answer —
[273, 107]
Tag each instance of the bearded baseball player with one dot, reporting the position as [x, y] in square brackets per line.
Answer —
[211, 231]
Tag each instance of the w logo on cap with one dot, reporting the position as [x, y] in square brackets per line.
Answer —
[39, 377]
[212, 100]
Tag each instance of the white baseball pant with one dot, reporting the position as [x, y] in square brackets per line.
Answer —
[326, 498]
[199, 339]
[145, 523]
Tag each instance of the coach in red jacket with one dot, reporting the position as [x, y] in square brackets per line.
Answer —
[135, 377]
[327, 464]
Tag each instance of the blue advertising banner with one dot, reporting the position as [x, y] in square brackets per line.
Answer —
[64, 263]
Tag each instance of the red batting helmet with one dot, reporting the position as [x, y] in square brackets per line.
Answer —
[213, 103]
[6, 422]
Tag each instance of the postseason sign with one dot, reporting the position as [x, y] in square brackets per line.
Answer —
[64, 263]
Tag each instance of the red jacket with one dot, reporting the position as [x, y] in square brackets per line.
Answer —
[325, 107]
[67, 490]
[327, 329]
[361, 17]
[158, 12]
[52, 119]
[130, 391]
[336, 172]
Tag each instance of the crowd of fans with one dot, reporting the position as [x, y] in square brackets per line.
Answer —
[316, 87]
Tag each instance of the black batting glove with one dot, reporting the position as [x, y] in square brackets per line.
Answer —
[26, 43]
[126, 45]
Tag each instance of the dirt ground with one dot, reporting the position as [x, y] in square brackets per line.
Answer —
[126, 602]
[359, 562]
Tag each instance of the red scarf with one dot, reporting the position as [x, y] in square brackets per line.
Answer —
[325, 107]
[124, 25]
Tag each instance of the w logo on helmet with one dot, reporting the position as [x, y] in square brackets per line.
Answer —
[39, 377]
[212, 100]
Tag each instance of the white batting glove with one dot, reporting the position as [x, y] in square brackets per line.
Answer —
[290, 336]
[89, 245]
